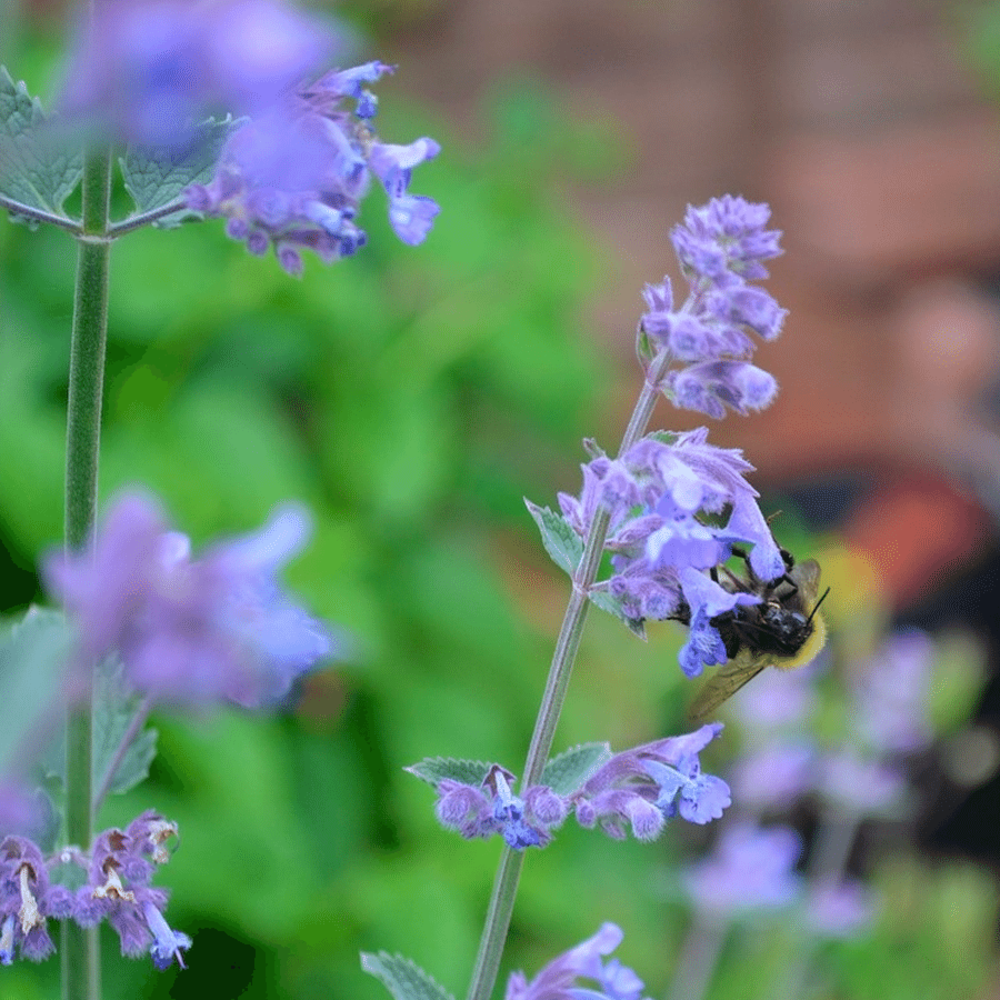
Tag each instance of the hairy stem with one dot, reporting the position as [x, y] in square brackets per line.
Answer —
[501, 905]
[80, 948]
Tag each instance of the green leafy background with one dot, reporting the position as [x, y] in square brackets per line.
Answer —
[411, 397]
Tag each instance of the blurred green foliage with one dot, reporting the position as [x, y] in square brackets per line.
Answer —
[411, 397]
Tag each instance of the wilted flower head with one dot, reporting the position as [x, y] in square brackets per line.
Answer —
[558, 980]
[122, 865]
[294, 178]
[192, 631]
[650, 784]
[24, 898]
[721, 247]
[752, 869]
[150, 69]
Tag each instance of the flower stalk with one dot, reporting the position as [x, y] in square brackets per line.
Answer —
[501, 905]
[80, 950]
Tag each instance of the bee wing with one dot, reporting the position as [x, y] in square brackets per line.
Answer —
[726, 681]
[806, 577]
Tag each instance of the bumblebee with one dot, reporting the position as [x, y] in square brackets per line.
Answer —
[784, 630]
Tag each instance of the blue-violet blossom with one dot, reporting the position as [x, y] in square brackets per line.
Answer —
[149, 70]
[558, 979]
[493, 808]
[642, 787]
[752, 869]
[721, 247]
[650, 784]
[661, 494]
[191, 631]
[294, 178]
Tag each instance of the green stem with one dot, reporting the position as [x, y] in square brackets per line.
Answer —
[80, 948]
[501, 905]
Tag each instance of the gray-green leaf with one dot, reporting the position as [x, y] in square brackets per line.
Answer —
[35, 167]
[561, 542]
[34, 654]
[402, 978]
[434, 769]
[114, 710]
[613, 606]
[566, 773]
[156, 177]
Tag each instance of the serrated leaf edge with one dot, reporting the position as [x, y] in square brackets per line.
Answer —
[485, 765]
[368, 960]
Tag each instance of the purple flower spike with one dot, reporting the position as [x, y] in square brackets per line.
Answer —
[752, 870]
[24, 890]
[192, 631]
[840, 909]
[148, 70]
[492, 808]
[295, 177]
[721, 247]
[558, 979]
[646, 786]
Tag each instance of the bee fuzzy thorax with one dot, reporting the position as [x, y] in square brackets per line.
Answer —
[784, 630]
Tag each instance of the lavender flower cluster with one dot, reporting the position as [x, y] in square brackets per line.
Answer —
[118, 872]
[297, 164]
[558, 979]
[753, 866]
[640, 789]
[294, 179]
[191, 632]
[677, 504]
[721, 247]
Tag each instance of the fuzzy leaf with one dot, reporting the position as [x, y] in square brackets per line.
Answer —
[561, 542]
[35, 168]
[156, 177]
[613, 606]
[434, 769]
[114, 710]
[33, 658]
[567, 772]
[402, 978]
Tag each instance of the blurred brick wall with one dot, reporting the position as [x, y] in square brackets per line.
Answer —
[861, 126]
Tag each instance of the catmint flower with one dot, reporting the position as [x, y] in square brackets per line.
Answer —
[491, 808]
[751, 869]
[839, 909]
[117, 889]
[20, 811]
[777, 701]
[721, 247]
[859, 785]
[725, 240]
[660, 495]
[891, 694]
[294, 178]
[644, 787]
[24, 895]
[558, 979]
[148, 70]
[191, 631]
[774, 776]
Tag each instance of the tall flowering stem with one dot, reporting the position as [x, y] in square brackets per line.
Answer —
[501, 906]
[80, 948]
